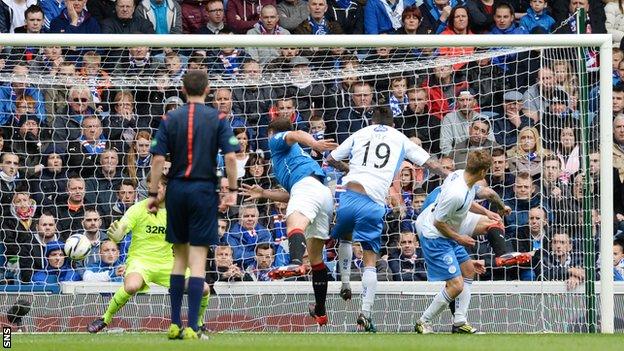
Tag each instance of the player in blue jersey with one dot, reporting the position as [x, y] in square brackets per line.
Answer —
[310, 205]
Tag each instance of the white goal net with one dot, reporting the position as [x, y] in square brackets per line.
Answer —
[77, 116]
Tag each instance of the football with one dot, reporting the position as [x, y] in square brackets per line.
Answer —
[77, 247]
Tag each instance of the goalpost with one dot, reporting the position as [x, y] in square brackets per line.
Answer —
[498, 306]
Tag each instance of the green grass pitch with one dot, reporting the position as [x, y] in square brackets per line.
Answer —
[317, 342]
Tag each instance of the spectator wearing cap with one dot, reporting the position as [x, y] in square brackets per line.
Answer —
[53, 179]
[75, 19]
[456, 125]
[28, 144]
[242, 15]
[267, 25]
[292, 13]
[57, 268]
[215, 18]
[384, 16]
[18, 87]
[477, 139]
[317, 23]
[507, 126]
[126, 20]
[165, 15]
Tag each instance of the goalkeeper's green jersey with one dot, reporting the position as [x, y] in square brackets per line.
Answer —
[148, 235]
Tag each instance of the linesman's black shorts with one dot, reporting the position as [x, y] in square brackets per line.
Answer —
[191, 212]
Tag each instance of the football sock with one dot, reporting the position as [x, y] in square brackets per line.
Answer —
[496, 237]
[195, 292]
[202, 310]
[319, 284]
[176, 292]
[296, 245]
[116, 303]
[437, 306]
[369, 286]
[462, 302]
[345, 252]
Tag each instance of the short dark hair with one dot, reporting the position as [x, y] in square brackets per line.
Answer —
[280, 125]
[619, 242]
[129, 182]
[499, 151]
[32, 9]
[195, 82]
[503, 5]
[92, 208]
[263, 246]
[383, 115]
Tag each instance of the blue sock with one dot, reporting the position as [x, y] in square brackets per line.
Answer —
[195, 292]
[176, 292]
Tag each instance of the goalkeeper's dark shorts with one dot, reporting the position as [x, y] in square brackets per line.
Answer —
[192, 212]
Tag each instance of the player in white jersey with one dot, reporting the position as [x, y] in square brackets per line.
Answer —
[375, 154]
[444, 228]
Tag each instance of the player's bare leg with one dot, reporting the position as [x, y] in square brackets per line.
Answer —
[462, 301]
[319, 280]
[196, 259]
[451, 290]
[369, 287]
[495, 234]
[176, 288]
[345, 256]
[296, 224]
[133, 282]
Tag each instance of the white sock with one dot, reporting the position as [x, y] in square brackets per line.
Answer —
[369, 286]
[439, 303]
[462, 302]
[345, 254]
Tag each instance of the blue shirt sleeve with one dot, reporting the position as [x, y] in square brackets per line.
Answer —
[227, 140]
[278, 142]
[160, 142]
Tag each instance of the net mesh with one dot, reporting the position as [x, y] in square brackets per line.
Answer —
[77, 124]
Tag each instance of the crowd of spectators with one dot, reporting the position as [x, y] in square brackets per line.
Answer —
[74, 141]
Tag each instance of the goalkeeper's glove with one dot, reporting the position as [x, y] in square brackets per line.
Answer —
[117, 231]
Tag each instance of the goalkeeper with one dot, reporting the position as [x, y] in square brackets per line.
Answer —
[150, 257]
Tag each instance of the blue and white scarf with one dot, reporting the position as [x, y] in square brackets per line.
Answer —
[231, 63]
[319, 28]
[97, 148]
[395, 13]
[398, 107]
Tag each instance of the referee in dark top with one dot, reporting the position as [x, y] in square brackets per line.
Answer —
[192, 136]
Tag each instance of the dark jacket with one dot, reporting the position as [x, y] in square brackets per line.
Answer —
[136, 24]
[306, 28]
[596, 13]
[424, 126]
[49, 275]
[101, 9]
[349, 121]
[408, 268]
[244, 250]
[61, 24]
[506, 133]
[350, 19]
[6, 15]
[242, 15]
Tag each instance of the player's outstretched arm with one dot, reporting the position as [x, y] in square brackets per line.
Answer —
[436, 167]
[339, 165]
[307, 139]
[492, 196]
[254, 192]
